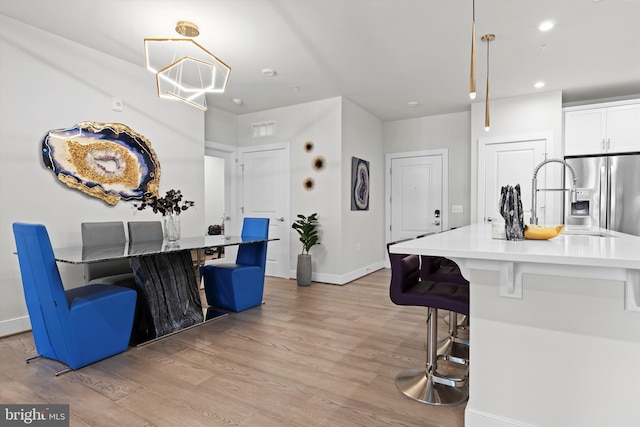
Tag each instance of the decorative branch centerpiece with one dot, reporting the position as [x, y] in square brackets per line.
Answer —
[170, 206]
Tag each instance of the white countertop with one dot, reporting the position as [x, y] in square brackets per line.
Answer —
[612, 256]
[475, 242]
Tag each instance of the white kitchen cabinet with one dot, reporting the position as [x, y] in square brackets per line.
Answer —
[602, 128]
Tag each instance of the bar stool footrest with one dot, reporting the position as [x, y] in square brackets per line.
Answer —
[432, 388]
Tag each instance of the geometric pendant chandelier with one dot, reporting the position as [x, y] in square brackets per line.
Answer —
[185, 70]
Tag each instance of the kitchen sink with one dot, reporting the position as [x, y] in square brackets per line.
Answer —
[586, 232]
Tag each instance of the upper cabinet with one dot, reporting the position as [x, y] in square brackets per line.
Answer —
[602, 128]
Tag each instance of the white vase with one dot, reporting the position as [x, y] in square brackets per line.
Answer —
[171, 227]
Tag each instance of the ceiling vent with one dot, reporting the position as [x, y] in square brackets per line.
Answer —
[260, 130]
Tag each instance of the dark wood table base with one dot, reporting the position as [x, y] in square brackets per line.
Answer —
[170, 292]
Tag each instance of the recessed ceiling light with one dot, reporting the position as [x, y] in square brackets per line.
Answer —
[237, 101]
[538, 85]
[412, 104]
[269, 72]
[546, 25]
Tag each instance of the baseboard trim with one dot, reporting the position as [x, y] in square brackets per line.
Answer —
[473, 418]
[334, 279]
[14, 326]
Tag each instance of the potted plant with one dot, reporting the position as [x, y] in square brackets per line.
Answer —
[306, 228]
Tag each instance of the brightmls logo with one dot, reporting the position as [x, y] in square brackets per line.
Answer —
[34, 415]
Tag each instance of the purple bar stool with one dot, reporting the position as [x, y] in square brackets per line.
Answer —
[439, 269]
[428, 385]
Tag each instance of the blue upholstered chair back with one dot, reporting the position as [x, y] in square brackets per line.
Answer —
[254, 254]
[43, 290]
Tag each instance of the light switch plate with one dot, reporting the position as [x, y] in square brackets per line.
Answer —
[456, 208]
[116, 104]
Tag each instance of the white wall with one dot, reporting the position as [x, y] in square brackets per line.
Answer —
[516, 116]
[50, 83]
[362, 231]
[221, 127]
[319, 122]
[449, 131]
[339, 129]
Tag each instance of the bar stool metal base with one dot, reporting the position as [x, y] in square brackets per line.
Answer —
[462, 320]
[455, 346]
[453, 350]
[432, 389]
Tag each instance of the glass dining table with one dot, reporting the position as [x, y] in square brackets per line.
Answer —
[164, 276]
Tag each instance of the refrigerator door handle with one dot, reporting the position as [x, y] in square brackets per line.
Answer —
[610, 195]
[604, 195]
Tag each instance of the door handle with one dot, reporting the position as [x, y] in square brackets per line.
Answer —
[436, 215]
[281, 219]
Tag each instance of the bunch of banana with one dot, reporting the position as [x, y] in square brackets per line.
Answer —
[537, 232]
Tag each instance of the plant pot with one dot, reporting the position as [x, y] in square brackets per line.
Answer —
[303, 270]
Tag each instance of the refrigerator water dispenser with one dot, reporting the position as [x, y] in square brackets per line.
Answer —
[580, 208]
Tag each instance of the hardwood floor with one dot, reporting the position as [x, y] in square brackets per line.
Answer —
[322, 355]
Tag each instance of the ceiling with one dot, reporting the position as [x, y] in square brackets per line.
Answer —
[380, 54]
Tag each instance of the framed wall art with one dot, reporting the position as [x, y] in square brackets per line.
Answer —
[109, 161]
[359, 184]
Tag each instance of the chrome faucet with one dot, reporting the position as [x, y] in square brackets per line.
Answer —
[534, 197]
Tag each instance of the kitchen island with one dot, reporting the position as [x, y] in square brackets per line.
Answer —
[555, 326]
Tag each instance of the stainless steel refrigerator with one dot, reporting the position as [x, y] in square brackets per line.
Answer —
[608, 193]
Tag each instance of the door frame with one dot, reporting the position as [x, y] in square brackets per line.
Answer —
[228, 153]
[444, 152]
[240, 195]
[504, 139]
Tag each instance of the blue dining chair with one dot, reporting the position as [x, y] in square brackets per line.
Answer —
[240, 286]
[76, 327]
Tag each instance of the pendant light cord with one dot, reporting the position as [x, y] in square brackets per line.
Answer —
[472, 74]
[488, 43]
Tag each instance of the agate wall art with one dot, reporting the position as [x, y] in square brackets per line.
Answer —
[359, 184]
[104, 160]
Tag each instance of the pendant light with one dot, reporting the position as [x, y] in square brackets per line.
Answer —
[488, 38]
[184, 69]
[472, 76]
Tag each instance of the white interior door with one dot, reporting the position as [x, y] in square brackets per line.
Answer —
[265, 194]
[416, 196]
[508, 162]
